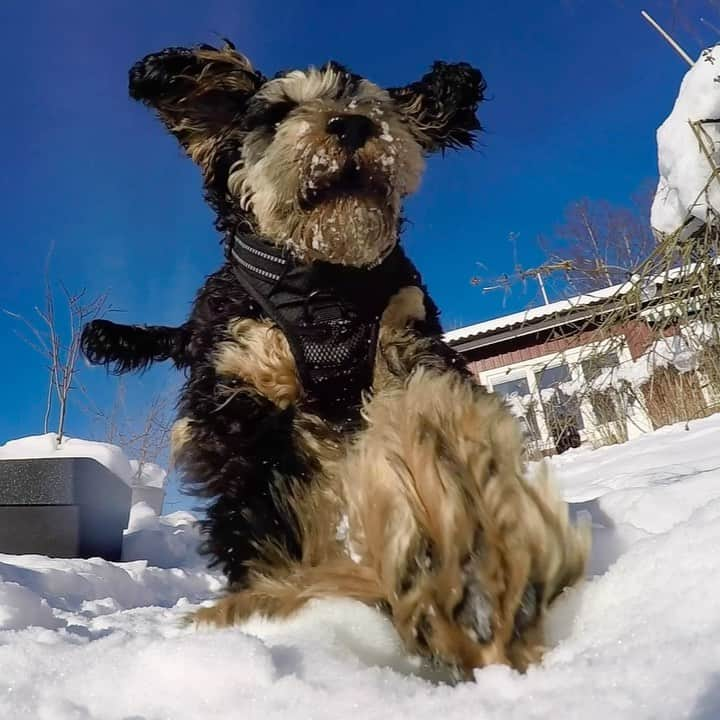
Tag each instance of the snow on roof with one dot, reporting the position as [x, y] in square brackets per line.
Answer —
[684, 172]
[505, 322]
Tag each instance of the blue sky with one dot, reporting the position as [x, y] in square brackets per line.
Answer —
[576, 91]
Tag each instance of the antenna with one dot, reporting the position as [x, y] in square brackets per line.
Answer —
[705, 21]
[542, 287]
[667, 37]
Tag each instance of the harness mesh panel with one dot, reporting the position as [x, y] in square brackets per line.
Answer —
[334, 349]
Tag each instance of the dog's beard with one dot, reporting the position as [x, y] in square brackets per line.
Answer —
[352, 230]
[326, 204]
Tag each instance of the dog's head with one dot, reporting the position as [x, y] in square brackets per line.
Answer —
[317, 160]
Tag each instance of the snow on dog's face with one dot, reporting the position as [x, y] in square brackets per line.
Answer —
[324, 165]
[317, 160]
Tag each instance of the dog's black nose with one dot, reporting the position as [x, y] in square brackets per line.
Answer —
[353, 131]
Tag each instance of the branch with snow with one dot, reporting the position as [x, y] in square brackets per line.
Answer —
[688, 192]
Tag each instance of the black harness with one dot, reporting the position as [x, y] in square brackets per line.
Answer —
[329, 313]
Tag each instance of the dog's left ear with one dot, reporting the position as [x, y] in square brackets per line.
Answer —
[440, 108]
[198, 93]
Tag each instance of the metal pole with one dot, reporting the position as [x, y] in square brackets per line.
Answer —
[542, 287]
[669, 40]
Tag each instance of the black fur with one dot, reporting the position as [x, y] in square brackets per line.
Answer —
[162, 75]
[243, 456]
[444, 103]
[243, 453]
[173, 74]
[123, 348]
[201, 94]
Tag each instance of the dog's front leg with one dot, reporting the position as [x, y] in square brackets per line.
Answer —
[426, 484]
[277, 595]
[467, 552]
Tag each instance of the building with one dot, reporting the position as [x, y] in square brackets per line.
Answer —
[552, 364]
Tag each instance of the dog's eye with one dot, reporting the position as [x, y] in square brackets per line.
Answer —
[262, 115]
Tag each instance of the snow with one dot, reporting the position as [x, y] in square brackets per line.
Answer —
[148, 485]
[47, 446]
[148, 474]
[684, 168]
[526, 316]
[166, 541]
[95, 640]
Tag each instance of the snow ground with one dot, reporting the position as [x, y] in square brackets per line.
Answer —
[93, 640]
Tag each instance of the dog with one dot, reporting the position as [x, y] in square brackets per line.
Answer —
[345, 449]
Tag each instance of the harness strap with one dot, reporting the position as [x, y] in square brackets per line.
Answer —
[330, 315]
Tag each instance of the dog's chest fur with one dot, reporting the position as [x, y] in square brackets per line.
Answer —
[256, 431]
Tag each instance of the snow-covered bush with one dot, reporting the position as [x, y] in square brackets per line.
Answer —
[689, 151]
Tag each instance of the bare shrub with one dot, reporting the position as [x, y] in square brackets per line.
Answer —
[57, 340]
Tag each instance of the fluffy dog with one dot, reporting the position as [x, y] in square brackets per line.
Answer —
[319, 393]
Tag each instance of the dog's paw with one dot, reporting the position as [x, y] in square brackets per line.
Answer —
[229, 610]
[440, 633]
[444, 610]
[465, 612]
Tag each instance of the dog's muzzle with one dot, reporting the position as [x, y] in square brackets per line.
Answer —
[352, 179]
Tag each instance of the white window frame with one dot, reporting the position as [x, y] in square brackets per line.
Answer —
[572, 357]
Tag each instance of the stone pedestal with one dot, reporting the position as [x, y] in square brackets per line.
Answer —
[62, 507]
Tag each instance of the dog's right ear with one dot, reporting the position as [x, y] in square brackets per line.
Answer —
[199, 93]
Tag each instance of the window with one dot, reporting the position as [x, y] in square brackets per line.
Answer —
[519, 388]
[593, 366]
[507, 388]
[562, 411]
[553, 376]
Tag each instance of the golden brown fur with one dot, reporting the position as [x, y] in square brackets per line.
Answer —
[258, 353]
[446, 530]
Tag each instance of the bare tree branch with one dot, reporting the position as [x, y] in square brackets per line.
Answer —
[143, 434]
[59, 344]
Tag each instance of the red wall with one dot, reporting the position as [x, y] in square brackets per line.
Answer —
[637, 335]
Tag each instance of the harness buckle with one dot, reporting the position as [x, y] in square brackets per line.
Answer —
[333, 302]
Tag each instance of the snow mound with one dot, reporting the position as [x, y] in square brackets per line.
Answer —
[165, 541]
[93, 640]
[47, 446]
[683, 166]
[21, 608]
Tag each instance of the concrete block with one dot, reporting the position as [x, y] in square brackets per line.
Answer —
[101, 499]
[52, 530]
